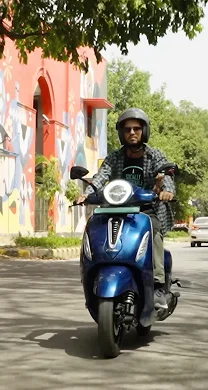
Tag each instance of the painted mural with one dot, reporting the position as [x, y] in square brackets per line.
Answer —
[16, 172]
[65, 135]
[79, 148]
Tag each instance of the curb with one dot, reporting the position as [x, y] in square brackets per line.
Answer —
[42, 253]
[59, 253]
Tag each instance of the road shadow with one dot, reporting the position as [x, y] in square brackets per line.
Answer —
[82, 342]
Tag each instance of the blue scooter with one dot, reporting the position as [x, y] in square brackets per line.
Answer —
[116, 262]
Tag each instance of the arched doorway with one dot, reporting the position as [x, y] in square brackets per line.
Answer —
[43, 105]
[37, 105]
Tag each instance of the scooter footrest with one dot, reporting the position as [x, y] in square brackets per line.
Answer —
[176, 281]
[176, 294]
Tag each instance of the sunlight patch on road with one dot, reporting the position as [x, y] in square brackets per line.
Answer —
[45, 336]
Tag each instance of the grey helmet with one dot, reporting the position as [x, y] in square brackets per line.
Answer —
[133, 113]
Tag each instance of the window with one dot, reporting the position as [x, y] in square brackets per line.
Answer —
[36, 107]
[89, 121]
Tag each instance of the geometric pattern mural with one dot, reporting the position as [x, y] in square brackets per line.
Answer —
[66, 135]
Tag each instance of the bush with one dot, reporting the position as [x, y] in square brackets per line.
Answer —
[177, 234]
[52, 242]
[72, 191]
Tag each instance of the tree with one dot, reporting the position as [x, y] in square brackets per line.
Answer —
[61, 27]
[47, 180]
[127, 87]
[181, 133]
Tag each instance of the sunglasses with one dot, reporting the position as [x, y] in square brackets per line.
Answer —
[135, 128]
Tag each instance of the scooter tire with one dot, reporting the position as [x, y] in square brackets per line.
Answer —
[109, 337]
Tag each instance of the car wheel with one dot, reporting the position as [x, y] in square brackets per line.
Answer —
[198, 243]
[192, 244]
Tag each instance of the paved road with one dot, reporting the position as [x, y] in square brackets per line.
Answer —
[48, 340]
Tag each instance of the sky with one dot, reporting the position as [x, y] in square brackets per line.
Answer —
[180, 63]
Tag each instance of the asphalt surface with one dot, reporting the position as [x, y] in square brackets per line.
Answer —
[49, 341]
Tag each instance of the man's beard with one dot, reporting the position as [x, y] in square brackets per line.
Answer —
[135, 147]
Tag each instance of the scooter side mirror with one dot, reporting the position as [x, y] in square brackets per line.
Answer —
[78, 172]
[169, 169]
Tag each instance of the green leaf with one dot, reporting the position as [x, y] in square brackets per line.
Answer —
[180, 133]
[60, 27]
[72, 191]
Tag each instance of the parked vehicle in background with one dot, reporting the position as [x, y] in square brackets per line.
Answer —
[199, 231]
[178, 226]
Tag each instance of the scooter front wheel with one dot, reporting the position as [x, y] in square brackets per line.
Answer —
[143, 331]
[110, 332]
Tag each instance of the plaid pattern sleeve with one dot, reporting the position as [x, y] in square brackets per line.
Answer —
[104, 173]
[160, 159]
[163, 209]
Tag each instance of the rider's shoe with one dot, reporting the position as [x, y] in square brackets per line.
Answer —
[160, 299]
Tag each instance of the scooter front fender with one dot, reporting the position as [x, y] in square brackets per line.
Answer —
[112, 281]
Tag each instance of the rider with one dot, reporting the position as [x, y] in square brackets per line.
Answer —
[137, 162]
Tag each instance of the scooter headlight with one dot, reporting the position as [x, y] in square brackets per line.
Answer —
[117, 192]
[86, 246]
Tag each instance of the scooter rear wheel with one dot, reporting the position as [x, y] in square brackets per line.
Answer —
[109, 331]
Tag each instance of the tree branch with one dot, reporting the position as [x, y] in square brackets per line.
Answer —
[13, 36]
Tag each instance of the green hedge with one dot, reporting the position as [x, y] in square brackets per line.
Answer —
[177, 234]
[54, 242]
[47, 242]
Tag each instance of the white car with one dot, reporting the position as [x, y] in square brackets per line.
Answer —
[199, 231]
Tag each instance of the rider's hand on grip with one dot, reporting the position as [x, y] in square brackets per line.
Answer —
[81, 200]
[166, 196]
